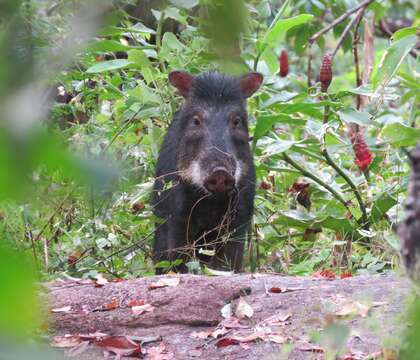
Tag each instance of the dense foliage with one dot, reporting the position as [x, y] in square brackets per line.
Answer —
[331, 173]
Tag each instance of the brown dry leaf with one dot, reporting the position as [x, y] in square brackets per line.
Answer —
[243, 309]
[64, 309]
[279, 290]
[324, 274]
[277, 319]
[159, 353]
[93, 336]
[248, 338]
[233, 323]
[119, 345]
[226, 342]
[172, 282]
[276, 338]
[133, 303]
[107, 307]
[65, 341]
[138, 310]
[355, 308]
[200, 334]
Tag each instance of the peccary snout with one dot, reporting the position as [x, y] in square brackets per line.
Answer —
[220, 181]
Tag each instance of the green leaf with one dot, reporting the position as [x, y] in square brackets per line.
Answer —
[353, 116]
[274, 35]
[402, 33]
[400, 135]
[295, 219]
[381, 206]
[172, 42]
[278, 146]
[342, 225]
[107, 46]
[265, 123]
[105, 66]
[141, 28]
[392, 59]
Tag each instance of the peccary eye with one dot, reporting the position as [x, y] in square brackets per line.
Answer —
[236, 120]
[196, 120]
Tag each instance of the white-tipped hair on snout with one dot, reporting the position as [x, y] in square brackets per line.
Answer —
[193, 174]
[238, 172]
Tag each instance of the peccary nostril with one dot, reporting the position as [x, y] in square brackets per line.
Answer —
[220, 181]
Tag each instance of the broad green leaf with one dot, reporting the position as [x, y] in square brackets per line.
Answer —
[265, 123]
[282, 97]
[274, 35]
[402, 33]
[278, 146]
[107, 46]
[387, 93]
[353, 116]
[392, 59]
[139, 58]
[295, 218]
[381, 206]
[141, 28]
[104, 66]
[171, 42]
[186, 4]
[400, 135]
[342, 225]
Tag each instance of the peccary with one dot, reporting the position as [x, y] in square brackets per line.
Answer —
[205, 176]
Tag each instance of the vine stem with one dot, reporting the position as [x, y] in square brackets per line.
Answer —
[341, 172]
[319, 181]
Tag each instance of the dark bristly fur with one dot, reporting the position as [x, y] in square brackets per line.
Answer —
[216, 87]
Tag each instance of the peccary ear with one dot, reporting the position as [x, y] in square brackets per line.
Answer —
[182, 81]
[250, 83]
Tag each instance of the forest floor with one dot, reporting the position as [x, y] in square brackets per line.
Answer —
[273, 317]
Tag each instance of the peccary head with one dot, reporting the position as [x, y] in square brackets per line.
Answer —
[213, 148]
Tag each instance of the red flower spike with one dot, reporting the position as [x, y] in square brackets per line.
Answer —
[284, 63]
[361, 151]
[325, 73]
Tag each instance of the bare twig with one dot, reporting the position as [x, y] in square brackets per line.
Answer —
[356, 20]
[340, 19]
[318, 181]
[355, 43]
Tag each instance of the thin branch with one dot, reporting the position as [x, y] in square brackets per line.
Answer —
[309, 70]
[349, 182]
[341, 172]
[355, 49]
[356, 19]
[340, 19]
[318, 181]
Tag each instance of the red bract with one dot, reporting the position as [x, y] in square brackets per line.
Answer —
[284, 63]
[361, 151]
[325, 73]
